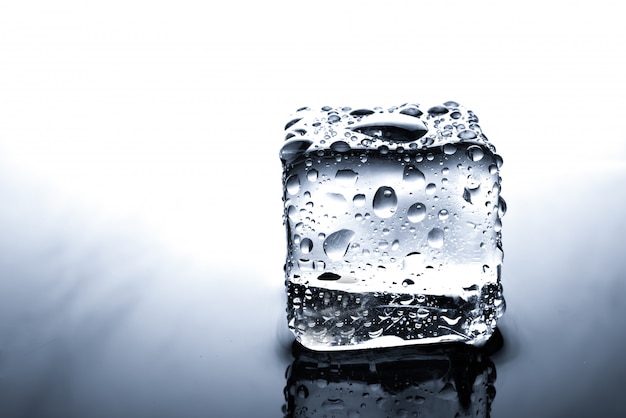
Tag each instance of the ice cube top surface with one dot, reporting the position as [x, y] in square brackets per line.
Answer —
[405, 127]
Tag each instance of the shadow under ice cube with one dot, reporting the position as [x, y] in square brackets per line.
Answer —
[393, 222]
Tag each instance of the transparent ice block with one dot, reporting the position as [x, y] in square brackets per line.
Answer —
[393, 220]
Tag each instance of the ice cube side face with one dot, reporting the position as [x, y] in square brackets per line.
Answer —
[393, 221]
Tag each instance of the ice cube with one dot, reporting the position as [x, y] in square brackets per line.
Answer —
[393, 227]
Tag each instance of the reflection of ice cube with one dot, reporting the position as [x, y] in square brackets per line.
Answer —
[438, 381]
[382, 206]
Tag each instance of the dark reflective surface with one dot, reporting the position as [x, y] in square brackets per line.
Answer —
[452, 380]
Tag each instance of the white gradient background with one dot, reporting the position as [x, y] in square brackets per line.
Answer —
[141, 240]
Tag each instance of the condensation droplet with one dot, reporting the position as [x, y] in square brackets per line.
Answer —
[413, 261]
[501, 206]
[312, 175]
[431, 189]
[467, 134]
[449, 149]
[346, 178]
[334, 118]
[416, 212]
[293, 149]
[291, 212]
[475, 153]
[340, 146]
[437, 110]
[414, 176]
[293, 184]
[358, 200]
[336, 244]
[443, 214]
[302, 392]
[385, 202]
[435, 238]
[306, 245]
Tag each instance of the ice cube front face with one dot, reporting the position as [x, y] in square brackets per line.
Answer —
[393, 220]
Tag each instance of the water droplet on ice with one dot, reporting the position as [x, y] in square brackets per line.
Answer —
[449, 149]
[435, 238]
[358, 200]
[416, 212]
[437, 110]
[340, 146]
[336, 244]
[501, 206]
[414, 176]
[396, 127]
[334, 118]
[303, 392]
[306, 245]
[361, 112]
[497, 225]
[346, 178]
[385, 202]
[413, 261]
[475, 153]
[443, 214]
[412, 111]
[467, 134]
[292, 149]
[292, 122]
[499, 160]
[291, 212]
[293, 184]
